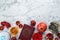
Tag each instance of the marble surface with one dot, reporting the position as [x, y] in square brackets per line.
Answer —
[26, 10]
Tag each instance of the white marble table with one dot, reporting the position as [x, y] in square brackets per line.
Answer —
[26, 10]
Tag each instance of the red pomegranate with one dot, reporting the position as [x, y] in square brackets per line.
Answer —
[42, 27]
[49, 36]
[37, 36]
[33, 23]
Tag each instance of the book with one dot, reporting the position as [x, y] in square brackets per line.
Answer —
[27, 32]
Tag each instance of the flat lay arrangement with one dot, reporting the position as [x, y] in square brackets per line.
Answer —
[29, 19]
[27, 31]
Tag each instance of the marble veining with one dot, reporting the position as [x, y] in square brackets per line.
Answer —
[26, 10]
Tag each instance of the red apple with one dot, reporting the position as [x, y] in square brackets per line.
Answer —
[42, 27]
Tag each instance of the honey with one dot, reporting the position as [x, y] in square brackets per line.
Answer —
[14, 30]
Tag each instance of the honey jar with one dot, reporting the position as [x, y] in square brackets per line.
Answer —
[14, 31]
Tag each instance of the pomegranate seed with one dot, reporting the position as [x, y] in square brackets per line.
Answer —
[1, 27]
[33, 23]
[17, 22]
[3, 23]
[13, 38]
[20, 26]
[8, 25]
